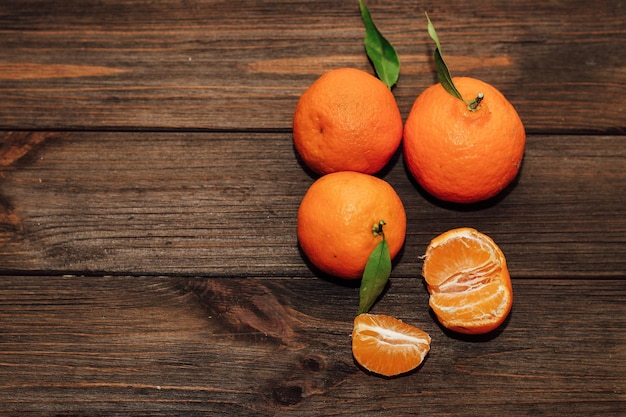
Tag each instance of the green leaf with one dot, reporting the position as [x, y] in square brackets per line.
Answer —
[381, 53]
[443, 74]
[375, 276]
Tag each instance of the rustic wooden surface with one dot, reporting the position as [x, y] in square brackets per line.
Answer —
[149, 187]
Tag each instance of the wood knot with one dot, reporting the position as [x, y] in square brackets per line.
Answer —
[312, 363]
[287, 394]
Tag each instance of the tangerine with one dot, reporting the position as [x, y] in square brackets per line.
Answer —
[338, 218]
[459, 154]
[388, 346]
[468, 281]
[347, 120]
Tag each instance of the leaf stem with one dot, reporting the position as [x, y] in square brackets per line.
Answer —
[377, 229]
[376, 273]
[474, 104]
[443, 73]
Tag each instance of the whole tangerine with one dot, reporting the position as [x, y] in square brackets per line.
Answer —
[347, 120]
[461, 154]
[338, 220]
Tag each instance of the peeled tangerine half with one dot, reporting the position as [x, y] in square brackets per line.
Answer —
[387, 346]
[468, 281]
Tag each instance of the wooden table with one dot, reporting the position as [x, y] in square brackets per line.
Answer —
[149, 190]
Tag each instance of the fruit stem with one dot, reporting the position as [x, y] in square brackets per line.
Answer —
[474, 104]
[377, 229]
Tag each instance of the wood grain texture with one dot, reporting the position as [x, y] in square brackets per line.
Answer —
[164, 346]
[226, 203]
[242, 65]
[149, 190]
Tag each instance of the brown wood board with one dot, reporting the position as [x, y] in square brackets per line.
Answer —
[164, 346]
[225, 204]
[149, 190]
[242, 64]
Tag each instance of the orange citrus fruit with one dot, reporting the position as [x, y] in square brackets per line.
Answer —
[336, 219]
[387, 346]
[461, 155]
[347, 120]
[468, 281]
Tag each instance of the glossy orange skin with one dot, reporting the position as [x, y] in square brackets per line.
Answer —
[347, 120]
[336, 217]
[459, 155]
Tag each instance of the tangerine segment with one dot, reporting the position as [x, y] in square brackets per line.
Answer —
[387, 346]
[468, 281]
